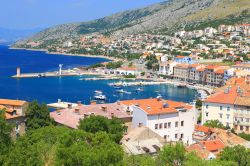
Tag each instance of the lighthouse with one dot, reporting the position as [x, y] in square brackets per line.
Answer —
[60, 69]
[18, 72]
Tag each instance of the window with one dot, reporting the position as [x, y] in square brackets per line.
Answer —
[206, 106]
[169, 124]
[228, 108]
[221, 115]
[182, 123]
[228, 116]
[160, 126]
[156, 126]
[206, 114]
[176, 124]
[247, 119]
[221, 107]
[176, 135]
[182, 135]
[165, 136]
[247, 128]
[241, 128]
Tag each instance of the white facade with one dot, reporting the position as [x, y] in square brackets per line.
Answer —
[217, 111]
[171, 126]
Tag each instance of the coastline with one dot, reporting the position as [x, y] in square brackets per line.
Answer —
[67, 54]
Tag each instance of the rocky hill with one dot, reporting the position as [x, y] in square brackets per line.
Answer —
[165, 17]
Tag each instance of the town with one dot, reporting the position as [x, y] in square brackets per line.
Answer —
[215, 61]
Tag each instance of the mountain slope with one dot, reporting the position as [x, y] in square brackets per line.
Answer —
[158, 18]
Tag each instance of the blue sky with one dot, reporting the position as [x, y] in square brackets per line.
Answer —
[28, 14]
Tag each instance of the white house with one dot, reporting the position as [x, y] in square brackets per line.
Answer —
[174, 121]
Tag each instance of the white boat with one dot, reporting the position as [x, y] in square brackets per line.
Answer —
[98, 92]
[100, 97]
[123, 91]
[139, 90]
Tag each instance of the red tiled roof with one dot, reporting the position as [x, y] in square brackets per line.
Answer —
[12, 102]
[212, 145]
[222, 97]
[156, 106]
[201, 128]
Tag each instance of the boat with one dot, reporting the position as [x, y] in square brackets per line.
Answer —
[181, 85]
[139, 90]
[122, 91]
[100, 97]
[202, 95]
[98, 92]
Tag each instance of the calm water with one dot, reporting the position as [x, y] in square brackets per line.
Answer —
[70, 89]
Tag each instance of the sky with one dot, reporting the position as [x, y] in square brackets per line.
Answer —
[29, 14]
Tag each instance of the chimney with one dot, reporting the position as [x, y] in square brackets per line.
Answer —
[58, 112]
[18, 71]
[77, 111]
[79, 103]
[104, 108]
[69, 106]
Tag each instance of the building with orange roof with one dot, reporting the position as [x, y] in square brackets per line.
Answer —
[172, 120]
[201, 133]
[230, 105]
[15, 114]
[181, 71]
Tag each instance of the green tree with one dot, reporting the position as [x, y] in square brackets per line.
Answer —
[80, 148]
[198, 104]
[5, 135]
[93, 124]
[238, 154]
[139, 160]
[214, 124]
[172, 155]
[244, 136]
[38, 116]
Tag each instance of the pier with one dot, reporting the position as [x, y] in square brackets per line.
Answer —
[73, 72]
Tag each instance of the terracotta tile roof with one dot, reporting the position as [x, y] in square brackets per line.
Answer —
[243, 101]
[220, 71]
[180, 56]
[232, 97]
[222, 97]
[198, 150]
[212, 145]
[12, 102]
[156, 106]
[228, 138]
[201, 128]
[185, 66]
[201, 69]
[71, 118]
[9, 113]
[212, 67]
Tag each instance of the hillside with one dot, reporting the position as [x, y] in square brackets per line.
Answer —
[163, 18]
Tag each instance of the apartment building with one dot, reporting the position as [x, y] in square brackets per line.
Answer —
[181, 72]
[230, 105]
[167, 68]
[174, 121]
[196, 73]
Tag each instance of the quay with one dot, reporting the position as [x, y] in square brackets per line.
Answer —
[209, 90]
[73, 72]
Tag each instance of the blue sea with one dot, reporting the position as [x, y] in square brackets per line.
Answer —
[71, 89]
